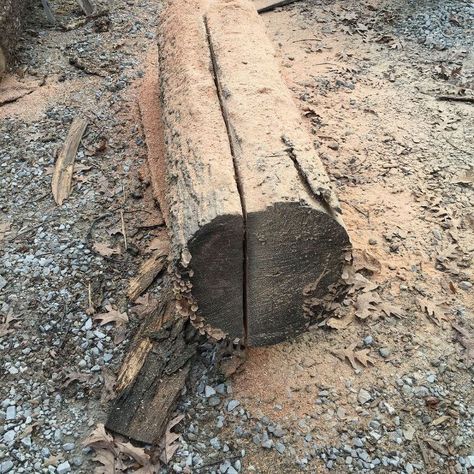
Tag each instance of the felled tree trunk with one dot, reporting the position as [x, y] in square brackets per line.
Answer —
[202, 204]
[11, 18]
[251, 210]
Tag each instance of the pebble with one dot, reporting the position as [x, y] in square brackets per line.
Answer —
[9, 437]
[63, 468]
[280, 447]
[363, 396]
[11, 413]
[384, 352]
[209, 391]
[232, 405]
[6, 466]
[368, 341]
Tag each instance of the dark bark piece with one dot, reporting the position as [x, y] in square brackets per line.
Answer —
[201, 201]
[11, 18]
[296, 243]
[264, 6]
[152, 377]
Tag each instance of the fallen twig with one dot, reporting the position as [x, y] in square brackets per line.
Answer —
[272, 6]
[456, 98]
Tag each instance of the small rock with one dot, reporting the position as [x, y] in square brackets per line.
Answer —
[214, 401]
[9, 437]
[209, 391]
[384, 352]
[268, 444]
[465, 285]
[333, 146]
[363, 396]
[280, 447]
[232, 405]
[63, 468]
[6, 466]
[368, 341]
[68, 446]
[11, 413]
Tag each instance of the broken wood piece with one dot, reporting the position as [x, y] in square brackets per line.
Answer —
[264, 6]
[153, 375]
[64, 167]
[295, 241]
[148, 272]
[456, 98]
[87, 6]
[200, 200]
[12, 14]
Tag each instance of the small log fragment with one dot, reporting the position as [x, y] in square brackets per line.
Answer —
[64, 167]
[11, 17]
[201, 203]
[153, 375]
[296, 243]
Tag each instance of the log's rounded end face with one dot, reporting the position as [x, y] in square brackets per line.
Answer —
[217, 253]
[295, 252]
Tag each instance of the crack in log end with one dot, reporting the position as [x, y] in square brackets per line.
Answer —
[323, 196]
[217, 274]
[296, 245]
[233, 143]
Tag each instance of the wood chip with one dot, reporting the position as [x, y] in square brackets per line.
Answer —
[147, 273]
[64, 168]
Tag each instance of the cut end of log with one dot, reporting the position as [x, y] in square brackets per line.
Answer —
[218, 272]
[298, 252]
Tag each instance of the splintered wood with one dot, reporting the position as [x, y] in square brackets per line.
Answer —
[255, 227]
[153, 375]
[64, 167]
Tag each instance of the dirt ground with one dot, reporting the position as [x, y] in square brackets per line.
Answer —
[384, 382]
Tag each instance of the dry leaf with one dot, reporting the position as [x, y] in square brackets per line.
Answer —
[466, 339]
[79, 377]
[361, 356]
[105, 250]
[161, 244]
[5, 327]
[391, 309]
[138, 454]
[99, 438]
[357, 281]
[112, 316]
[364, 260]
[169, 440]
[4, 228]
[339, 323]
[364, 304]
[145, 305]
[433, 311]
[108, 391]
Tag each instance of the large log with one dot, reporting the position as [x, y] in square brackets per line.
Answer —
[236, 147]
[11, 18]
[202, 205]
[296, 242]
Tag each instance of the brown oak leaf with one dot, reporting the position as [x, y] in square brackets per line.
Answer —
[105, 250]
[112, 316]
[365, 304]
